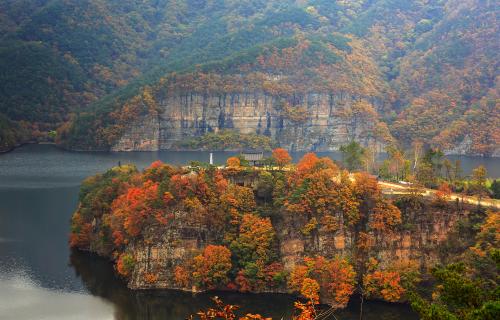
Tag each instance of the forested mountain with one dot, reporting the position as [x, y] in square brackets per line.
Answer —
[406, 70]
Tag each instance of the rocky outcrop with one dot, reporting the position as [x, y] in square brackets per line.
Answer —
[315, 121]
[159, 258]
[418, 240]
[466, 147]
[142, 135]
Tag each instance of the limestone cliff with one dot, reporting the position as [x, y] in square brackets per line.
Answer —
[142, 136]
[310, 121]
[420, 241]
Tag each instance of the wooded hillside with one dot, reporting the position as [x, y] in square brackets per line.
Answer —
[433, 64]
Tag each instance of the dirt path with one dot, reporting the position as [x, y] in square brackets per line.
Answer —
[396, 188]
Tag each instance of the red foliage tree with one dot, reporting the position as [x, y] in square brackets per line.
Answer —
[443, 193]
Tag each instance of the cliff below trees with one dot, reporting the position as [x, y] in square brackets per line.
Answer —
[203, 229]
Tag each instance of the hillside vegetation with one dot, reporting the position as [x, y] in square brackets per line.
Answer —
[431, 65]
[306, 229]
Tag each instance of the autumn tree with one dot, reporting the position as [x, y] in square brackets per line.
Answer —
[233, 162]
[125, 264]
[335, 277]
[255, 253]
[443, 194]
[478, 186]
[158, 172]
[132, 210]
[255, 240]
[81, 232]
[235, 202]
[221, 311]
[281, 157]
[211, 268]
[318, 196]
[317, 193]
[385, 217]
[385, 284]
[310, 163]
[96, 196]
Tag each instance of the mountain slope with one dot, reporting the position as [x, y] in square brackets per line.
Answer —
[428, 68]
[450, 81]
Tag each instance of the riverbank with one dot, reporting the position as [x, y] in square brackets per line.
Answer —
[38, 194]
[19, 145]
[144, 158]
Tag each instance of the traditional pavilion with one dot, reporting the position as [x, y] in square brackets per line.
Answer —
[254, 157]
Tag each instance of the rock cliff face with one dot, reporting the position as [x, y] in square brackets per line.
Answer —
[319, 121]
[419, 241]
[141, 136]
[466, 147]
[162, 252]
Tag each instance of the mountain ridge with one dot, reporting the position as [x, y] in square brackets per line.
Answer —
[436, 56]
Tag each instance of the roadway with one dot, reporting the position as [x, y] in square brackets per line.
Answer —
[397, 188]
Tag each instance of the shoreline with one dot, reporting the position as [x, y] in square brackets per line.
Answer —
[4, 151]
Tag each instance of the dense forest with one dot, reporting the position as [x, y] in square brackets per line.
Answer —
[310, 229]
[87, 68]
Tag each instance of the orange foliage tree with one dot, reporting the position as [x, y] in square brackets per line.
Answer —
[125, 264]
[336, 278]
[223, 311]
[182, 276]
[384, 284]
[318, 194]
[80, 232]
[254, 250]
[385, 216]
[235, 202]
[233, 162]
[210, 269]
[281, 157]
[255, 239]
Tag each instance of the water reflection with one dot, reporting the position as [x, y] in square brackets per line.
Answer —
[98, 277]
[21, 298]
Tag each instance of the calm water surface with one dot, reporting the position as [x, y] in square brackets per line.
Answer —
[40, 278]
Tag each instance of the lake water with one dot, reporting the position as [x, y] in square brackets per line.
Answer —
[40, 278]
